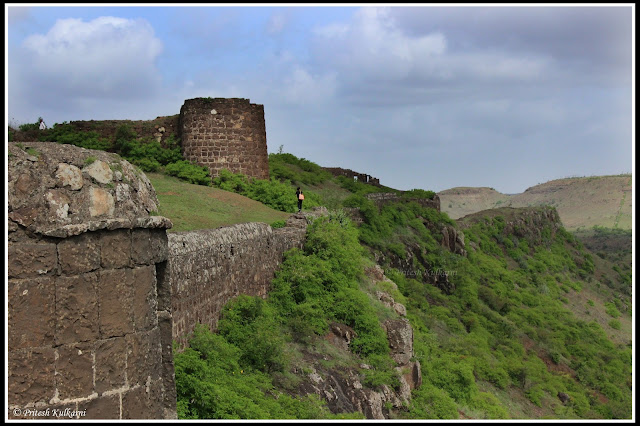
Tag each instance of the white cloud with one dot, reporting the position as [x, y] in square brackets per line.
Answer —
[373, 54]
[300, 87]
[372, 47]
[107, 57]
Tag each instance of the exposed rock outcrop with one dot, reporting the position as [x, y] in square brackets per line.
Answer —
[343, 388]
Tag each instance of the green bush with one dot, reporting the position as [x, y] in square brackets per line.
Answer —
[124, 139]
[490, 405]
[30, 126]
[273, 193]
[287, 167]
[250, 324]
[279, 224]
[67, 134]
[211, 383]
[431, 402]
[611, 309]
[418, 193]
[190, 172]
[319, 284]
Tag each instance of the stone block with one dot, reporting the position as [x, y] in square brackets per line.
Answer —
[69, 175]
[144, 357]
[163, 286]
[141, 247]
[79, 254]
[76, 304]
[141, 403]
[110, 364]
[74, 371]
[159, 245]
[168, 372]
[115, 249]
[31, 314]
[115, 302]
[103, 407]
[31, 377]
[32, 260]
[145, 316]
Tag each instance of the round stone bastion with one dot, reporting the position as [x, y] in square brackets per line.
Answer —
[89, 311]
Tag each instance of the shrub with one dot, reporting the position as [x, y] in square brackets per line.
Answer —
[419, 193]
[190, 172]
[250, 324]
[277, 195]
[615, 324]
[124, 139]
[211, 383]
[67, 134]
[611, 309]
[490, 405]
[287, 167]
[279, 224]
[431, 402]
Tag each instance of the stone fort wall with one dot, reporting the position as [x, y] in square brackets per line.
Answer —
[207, 268]
[225, 133]
[98, 291]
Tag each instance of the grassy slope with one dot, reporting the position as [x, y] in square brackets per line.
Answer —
[193, 206]
[581, 202]
[200, 207]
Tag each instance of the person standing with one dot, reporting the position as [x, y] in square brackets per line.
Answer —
[300, 197]
[42, 125]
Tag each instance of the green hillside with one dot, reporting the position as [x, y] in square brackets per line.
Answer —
[512, 316]
[527, 315]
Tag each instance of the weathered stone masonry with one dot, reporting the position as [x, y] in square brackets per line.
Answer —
[221, 133]
[87, 330]
[91, 315]
[207, 268]
[98, 291]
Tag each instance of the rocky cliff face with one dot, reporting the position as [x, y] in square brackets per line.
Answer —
[343, 387]
[531, 223]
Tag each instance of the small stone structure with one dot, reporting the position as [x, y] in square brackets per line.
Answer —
[89, 323]
[225, 133]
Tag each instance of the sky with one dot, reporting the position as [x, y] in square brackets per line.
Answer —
[419, 96]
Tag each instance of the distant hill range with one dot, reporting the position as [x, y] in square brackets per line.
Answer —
[581, 202]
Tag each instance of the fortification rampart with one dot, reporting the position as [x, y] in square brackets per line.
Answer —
[88, 334]
[221, 133]
[207, 268]
[98, 291]
[382, 198]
